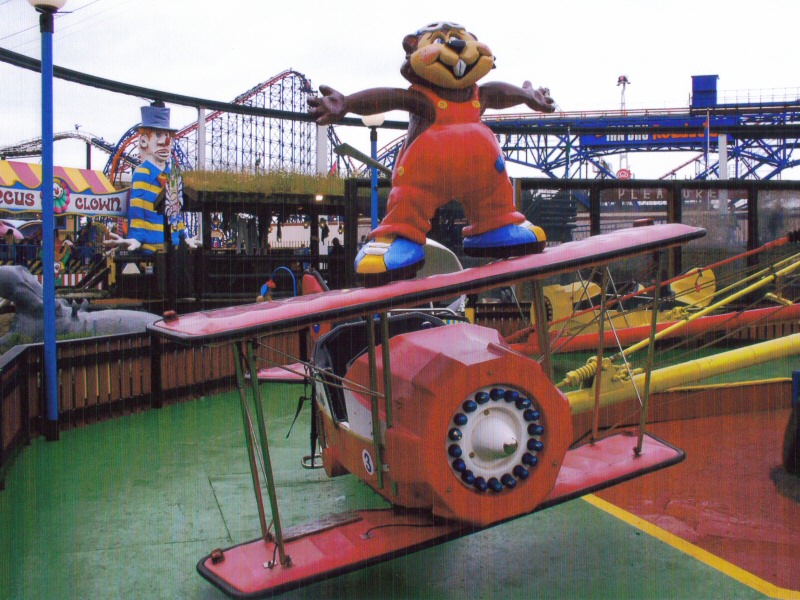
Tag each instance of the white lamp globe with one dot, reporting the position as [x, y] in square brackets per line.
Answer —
[49, 5]
[373, 120]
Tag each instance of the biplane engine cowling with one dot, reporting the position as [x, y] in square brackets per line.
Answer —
[478, 432]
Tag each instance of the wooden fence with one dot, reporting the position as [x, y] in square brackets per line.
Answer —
[111, 376]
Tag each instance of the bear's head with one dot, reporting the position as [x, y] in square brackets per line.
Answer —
[445, 55]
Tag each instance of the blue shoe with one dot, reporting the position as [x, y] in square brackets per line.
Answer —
[389, 258]
[504, 242]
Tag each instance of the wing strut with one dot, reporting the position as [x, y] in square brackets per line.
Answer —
[245, 363]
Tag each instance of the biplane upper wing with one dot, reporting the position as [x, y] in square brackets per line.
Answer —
[239, 322]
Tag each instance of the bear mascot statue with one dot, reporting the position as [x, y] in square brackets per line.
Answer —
[448, 154]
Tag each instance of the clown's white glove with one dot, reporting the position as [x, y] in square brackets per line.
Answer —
[193, 242]
[130, 244]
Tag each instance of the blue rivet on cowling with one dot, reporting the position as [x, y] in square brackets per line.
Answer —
[535, 429]
[530, 459]
[521, 472]
[530, 415]
[523, 403]
[535, 445]
[481, 397]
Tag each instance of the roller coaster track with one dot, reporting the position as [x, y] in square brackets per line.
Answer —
[267, 127]
[246, 105]
[33, 147]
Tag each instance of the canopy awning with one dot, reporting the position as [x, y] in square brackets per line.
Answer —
[86, 191]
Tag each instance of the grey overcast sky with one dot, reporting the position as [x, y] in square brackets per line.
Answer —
[218, 50]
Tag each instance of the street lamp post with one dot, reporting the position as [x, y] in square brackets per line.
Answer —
[47, 9]
[373, 122]
[623, 81]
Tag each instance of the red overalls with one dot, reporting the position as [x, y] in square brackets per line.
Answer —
[456, 158]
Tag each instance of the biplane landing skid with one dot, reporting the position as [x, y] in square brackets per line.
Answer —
[350, 541]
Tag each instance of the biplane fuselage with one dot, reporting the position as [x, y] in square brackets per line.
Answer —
[477, 431]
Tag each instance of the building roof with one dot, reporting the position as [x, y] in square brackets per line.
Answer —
[17, 174]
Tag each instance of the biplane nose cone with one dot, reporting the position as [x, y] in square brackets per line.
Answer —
[494, 439]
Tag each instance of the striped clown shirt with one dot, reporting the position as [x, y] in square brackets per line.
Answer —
[145, 224]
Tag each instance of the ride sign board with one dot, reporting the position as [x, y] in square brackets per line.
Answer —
[75, 191]
[697, 132]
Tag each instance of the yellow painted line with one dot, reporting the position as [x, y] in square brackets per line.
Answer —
[713, 561]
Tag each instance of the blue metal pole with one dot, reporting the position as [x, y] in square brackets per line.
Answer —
[373, 138]
[48, 227]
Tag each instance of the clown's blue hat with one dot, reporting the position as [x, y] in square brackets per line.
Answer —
[156, 117]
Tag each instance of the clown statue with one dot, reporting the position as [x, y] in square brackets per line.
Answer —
[154, 181]
[448, 153]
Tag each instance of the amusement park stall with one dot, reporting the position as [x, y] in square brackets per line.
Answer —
[82, 192]
[77, 193]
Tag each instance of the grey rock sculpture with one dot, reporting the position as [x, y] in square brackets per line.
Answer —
[19, 286]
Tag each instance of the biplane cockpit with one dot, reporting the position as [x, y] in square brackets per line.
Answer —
[335, 352]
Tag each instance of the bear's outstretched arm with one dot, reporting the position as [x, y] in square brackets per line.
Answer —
[497, 94]
[332, 106]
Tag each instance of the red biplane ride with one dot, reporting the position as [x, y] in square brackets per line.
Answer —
[454, 428]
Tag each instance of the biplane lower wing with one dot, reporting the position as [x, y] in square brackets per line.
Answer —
[240, 322]
[344, 543]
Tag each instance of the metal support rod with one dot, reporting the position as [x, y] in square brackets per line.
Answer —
[601, 329]
[387, 368]
[373, 138]
[650, 353]
[373, 384]
[247, 424]
[268, 473]
[48, 228]
[542, 327]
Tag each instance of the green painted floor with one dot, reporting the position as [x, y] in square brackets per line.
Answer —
[126, 508]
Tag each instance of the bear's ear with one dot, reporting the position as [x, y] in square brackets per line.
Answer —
[410, 43]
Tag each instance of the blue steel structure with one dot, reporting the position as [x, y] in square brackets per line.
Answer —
[762, 137]
[761, 142]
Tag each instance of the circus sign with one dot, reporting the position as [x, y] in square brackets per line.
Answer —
[75, 191]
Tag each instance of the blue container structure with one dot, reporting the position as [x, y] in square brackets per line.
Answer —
[704, 91]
